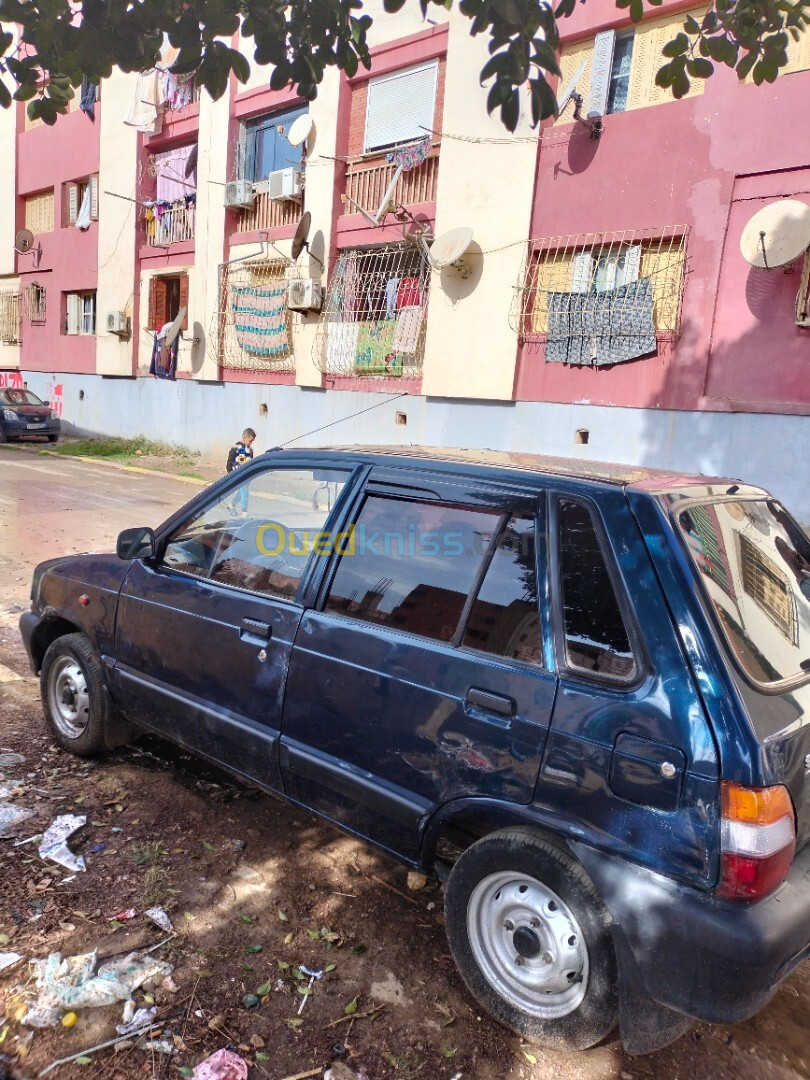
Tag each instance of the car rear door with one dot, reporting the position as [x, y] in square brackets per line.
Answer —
[419, 677]
[204, 631]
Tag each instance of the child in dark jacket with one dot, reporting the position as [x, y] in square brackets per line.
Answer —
[240, 454]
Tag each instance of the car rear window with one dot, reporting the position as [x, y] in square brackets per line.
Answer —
[754, 563]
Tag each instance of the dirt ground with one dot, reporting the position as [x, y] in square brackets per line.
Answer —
[254, 890]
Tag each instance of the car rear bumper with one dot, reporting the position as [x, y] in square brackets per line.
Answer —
[710, 959]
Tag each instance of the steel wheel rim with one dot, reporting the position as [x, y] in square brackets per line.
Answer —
[528, 944]
[68, 697]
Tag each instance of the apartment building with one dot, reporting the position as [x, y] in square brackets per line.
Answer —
[602, 307]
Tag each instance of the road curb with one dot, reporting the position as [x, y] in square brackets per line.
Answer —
[194, 481]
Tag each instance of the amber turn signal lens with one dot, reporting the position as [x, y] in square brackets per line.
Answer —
[756, 806]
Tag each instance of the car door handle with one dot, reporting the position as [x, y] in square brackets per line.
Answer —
[492, 703]
[251, 630]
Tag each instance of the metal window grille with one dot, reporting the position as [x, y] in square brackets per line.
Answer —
[584, 285]
[373, 319]
[252, 324]
[9, 317]
[33, 304]
[764, 581]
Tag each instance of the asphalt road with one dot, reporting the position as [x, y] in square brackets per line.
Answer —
[53, 506]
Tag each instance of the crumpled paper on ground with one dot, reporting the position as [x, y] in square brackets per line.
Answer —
[9, 958]
[54, 842]
[160, 918]
[74, 983]
[11, 815]
[141, 1018]
[223, 1065]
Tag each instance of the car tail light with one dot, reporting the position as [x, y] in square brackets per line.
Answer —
[758, 840]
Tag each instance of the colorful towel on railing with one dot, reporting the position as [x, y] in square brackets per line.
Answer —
[260, 319]
[408, 325]
[375, 349]
[412, 155]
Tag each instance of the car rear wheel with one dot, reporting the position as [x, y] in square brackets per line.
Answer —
[74, 697]
[530, 936]
[53, 438]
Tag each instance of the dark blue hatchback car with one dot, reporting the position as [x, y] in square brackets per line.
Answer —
[578, 693]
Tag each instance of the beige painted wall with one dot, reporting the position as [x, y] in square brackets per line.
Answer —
[117, 222]
[471, 351]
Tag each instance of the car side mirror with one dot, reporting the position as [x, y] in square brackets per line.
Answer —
[135, 543]
[46, 402]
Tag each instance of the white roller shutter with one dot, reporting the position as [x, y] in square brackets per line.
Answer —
[401, 106]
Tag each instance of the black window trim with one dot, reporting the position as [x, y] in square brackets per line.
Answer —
[625, 684]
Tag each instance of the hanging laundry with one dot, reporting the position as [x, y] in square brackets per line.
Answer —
[177, 91]
[164, 357]
[375, 349]
[172, 182]
[260, 319]
[409, 293]
[410, 156]
[406, 335]
[145, 113]
[391, 297]
[88, 97]
[83, 217]
[341, 347]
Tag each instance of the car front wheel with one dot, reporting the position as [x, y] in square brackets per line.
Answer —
[530, 936]
[74, 697]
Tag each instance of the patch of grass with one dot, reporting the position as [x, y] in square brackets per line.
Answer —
[119, 449]
[144, 854]
[156, 889]
[192, 475]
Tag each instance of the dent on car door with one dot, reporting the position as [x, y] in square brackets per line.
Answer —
[422, 679]
[204, 630]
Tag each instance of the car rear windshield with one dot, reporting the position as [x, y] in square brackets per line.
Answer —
[21, 397]
[754, 562]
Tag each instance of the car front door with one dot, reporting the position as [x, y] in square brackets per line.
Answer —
[204, 630]
[420, 676]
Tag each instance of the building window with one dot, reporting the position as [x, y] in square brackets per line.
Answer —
[264, 146]
[252, 317]
[769, 587]
[167, 295]
[620, 73]
[601, 299]
[9, 316]
[373, 320]
[33, 303]
[81, 202]
[400, 107]
[39, 212]
[80, 313]
[169, 212]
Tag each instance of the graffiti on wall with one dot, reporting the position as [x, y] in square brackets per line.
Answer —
[11, 379]
[54, 392]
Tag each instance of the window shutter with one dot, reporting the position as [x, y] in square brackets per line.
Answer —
[94, 198]
[184, 299]
[74, 302]
[400, 106]
[600, 74]
[157, 304]
[632, 263]
[583, 269]
[72, 194]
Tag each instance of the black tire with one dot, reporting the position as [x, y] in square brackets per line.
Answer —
[3, 436]
[70, 668]
[483, 874]
[53, 438]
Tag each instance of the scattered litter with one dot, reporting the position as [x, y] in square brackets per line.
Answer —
[69, 1019]
[54, 843]
[65, 880]
[11, 815]
[141, 1018]
[28, 839]
[96, 849]
[8, 760]
[83, 1053]
[169, 985]
[8, 958]
[416, 881]
[129, 1011]
[9, 790]
[74, 983]
[124, 916]
[223, 1065]
[251, 1001]
[160, 1046]
[339, 1071]
[159, 916]
[313, 975]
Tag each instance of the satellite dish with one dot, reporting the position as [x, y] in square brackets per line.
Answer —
[570, 89]
[300, 130]
[302, 232]
[24, 241]
[448, 248]
[175, 328]
[777, 234]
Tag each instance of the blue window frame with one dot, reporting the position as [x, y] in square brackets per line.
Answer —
[267, 147]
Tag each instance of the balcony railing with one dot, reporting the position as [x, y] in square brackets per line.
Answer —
[169, 224]
[267, 213]
[367, 181]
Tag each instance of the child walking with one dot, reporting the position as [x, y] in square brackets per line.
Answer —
[240, 454]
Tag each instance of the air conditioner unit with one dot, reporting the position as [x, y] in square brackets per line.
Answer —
[304, 294]
[284, 184]
[117, 322]
[238, 195]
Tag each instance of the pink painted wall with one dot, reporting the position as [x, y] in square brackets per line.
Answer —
[49, 158]
[708, 162]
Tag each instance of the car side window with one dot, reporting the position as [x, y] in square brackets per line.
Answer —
[260, 533]
[411, 565]
[504, 619]
[595, 634]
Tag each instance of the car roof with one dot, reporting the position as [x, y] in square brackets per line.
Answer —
[635, 476]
